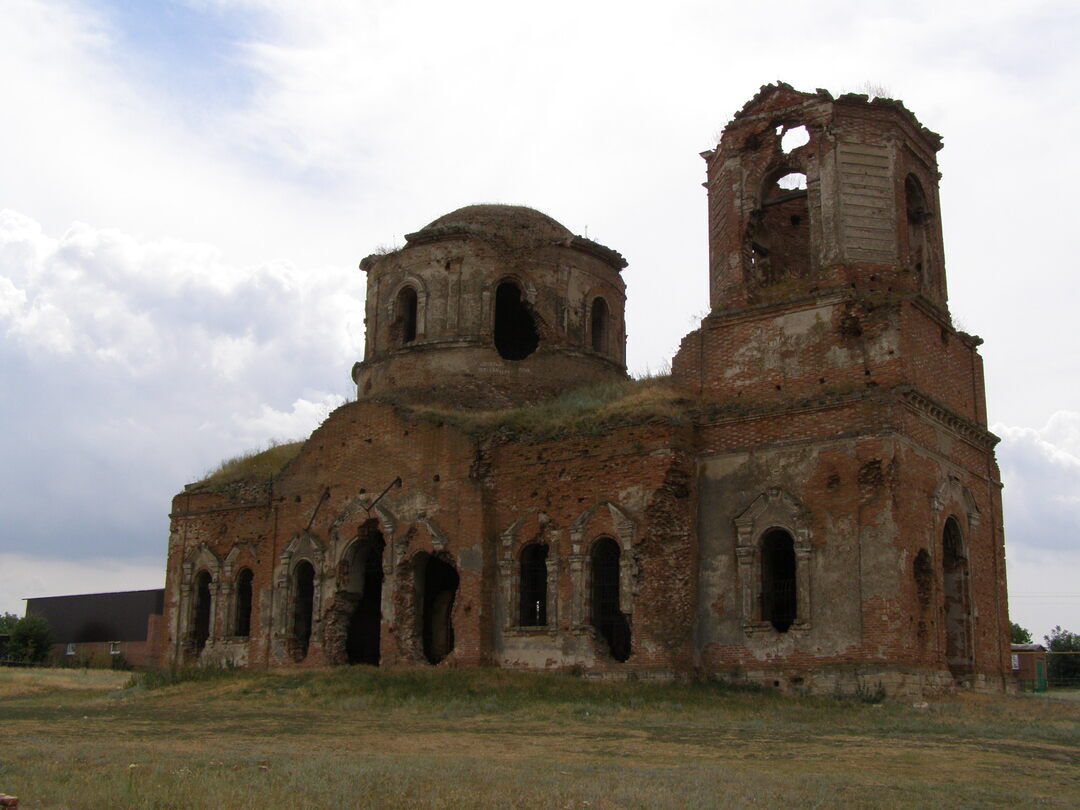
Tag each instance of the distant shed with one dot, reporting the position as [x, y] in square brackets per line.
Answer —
[1029, 666]
[94, 627]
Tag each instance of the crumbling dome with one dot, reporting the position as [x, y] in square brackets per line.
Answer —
[492, 305]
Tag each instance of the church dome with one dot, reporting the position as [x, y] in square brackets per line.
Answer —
[491, 306]
[515, 224]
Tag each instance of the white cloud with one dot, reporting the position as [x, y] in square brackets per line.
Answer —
[295, 423]
[1040, 469]
[132, 366]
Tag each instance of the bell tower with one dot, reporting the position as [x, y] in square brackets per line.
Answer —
[833, 380]
[809, 193]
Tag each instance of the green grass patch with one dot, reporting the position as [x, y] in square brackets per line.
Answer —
[488, 738]
[590, 410]
[256, 465]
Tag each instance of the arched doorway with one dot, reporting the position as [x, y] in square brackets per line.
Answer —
[607, 617]
[200, 627]
[436, 588]
[779, 602]
[956, 610]
[362, 644]
[303, 605]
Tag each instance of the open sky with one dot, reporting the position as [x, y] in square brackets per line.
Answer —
[187, 187]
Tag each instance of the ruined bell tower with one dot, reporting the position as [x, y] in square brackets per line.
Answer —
[847, 438]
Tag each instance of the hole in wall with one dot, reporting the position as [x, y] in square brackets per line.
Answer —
[793, 138]
[792, 181]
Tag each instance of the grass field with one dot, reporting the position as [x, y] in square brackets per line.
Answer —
[360, 737]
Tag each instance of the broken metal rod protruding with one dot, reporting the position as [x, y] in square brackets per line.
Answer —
[395, 483]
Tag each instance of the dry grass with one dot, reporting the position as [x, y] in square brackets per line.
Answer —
[357, 737]
[584, 411]
[256, 465]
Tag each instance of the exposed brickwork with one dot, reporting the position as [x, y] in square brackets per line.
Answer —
[826, 517]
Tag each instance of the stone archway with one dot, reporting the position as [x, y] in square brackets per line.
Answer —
[353, 627]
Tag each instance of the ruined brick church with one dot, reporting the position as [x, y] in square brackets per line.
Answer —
[818, 509]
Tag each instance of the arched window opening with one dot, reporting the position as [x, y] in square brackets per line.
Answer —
[362, 644]
[516, 336]
[436, 589]
[598, 323]
[534, 585]
[778, 597]
[918, 215]
[607, 617]
[200, 631]
[957, 613]
[303, 606]
[779, 232]
[243, 602]
[923, 572]
[404, 326]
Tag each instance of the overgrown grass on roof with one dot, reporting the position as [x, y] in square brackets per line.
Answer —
[583, 411]
[254, 465]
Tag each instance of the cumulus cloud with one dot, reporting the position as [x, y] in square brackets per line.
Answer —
[132, 366]
[1040, 469]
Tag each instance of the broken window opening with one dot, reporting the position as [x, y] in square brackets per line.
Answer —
[598, 319]
[405, 316]
[534, 585]
[516, 336]
[957, 612]
[303, 606]
[923, 572]
[793, 138]
[437, 588]
[607, 617]
[243, 602]
[792, 181]
[200, 631]
[362, 644]
[779, 232]
[778, 597]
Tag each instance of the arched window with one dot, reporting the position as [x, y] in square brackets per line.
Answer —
[918, 215]
[778, 597]
[534, 585]
[200, 631]
[598, 322]
[516, 336]
[405, 316]
[303, 605]
[607, 618]
[243, 602]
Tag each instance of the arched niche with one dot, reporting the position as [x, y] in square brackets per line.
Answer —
[764, 556]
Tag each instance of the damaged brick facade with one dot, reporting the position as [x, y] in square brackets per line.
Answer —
[825, 518]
